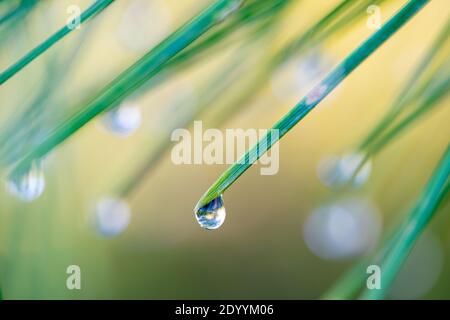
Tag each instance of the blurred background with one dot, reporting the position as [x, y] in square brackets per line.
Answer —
[111, 200]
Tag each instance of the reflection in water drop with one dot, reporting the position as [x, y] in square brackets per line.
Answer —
[421, 270]
[123, 120]
[336, 171]
[212, 215]
[29, 185]
[112, 216]
[343, 229]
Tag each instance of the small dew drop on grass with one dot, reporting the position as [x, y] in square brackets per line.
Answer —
[112, 216]
[212, 215]
[29, 185]
[337, 171]
[123, 120]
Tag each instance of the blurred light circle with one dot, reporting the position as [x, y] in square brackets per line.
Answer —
[124, 120]
[335, 171]
[297, 76]
[421, 270]
[112, 216]
[144, 23]
[343, 229]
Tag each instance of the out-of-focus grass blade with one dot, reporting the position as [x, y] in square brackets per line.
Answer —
[440, 90]
[17, 11]
[410, 91]
[132, 78]
[407, 234]
[211, 92]
[317, 94]
[19, 130]
[91, 12]
[312, 35]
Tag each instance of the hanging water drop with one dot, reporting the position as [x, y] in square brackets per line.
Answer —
[123, 120]
[28, 185]
[212, 215]
[112, 216]
[336, 171]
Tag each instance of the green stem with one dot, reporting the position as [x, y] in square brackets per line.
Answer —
[407, 234]
[429, 101]
[316, 95]
[407, 94]
[132, 78]
[91, 12]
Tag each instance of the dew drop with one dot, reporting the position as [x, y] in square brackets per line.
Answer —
[112, 216]
[212, 215]
[296, 77]
[123, 120]
[29, 185]
[337, 171]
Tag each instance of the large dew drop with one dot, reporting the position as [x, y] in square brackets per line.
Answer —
[112, 216]
[124, 120]
[212, 215]
[29, 185]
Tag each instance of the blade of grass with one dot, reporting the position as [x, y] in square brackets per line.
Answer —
[351, 283]
[408, 94]
[27, 123]
[255, 84]
[435, 191]
[212, 91]
[435, 90]
[92, 11]
[429, 101]
[316, 95]
[17, 11]
[132, 78]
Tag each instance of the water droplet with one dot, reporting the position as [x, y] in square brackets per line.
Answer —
[316, 94]
[212, 215]
[29, 185]
[336, 171]
[112, 216]
[123, 120]
[298, 76]
[343, 229]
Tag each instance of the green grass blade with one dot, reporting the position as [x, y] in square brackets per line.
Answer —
[17, 11]
[211, 91]
[408, 94]
[429, 101]
[89, 13]
[132, 78]
[436, 190]
[25, 125]
[316, 95]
